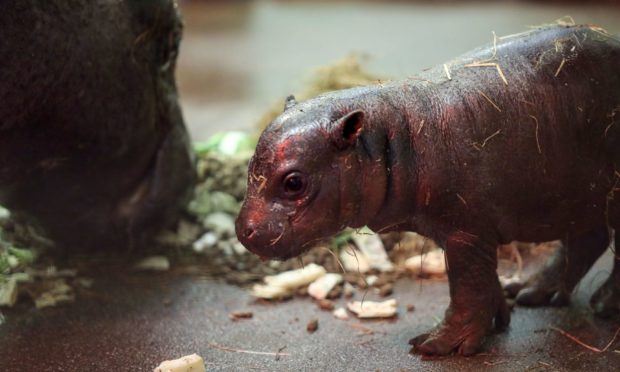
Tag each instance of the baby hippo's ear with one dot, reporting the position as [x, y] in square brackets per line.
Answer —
[289, 102]
[345, 131]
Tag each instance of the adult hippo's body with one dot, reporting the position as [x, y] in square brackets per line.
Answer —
[93, 148]
[514, 141]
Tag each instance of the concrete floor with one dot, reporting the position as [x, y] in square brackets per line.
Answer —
[131, 322]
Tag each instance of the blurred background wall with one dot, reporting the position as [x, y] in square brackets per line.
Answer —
[238, 57]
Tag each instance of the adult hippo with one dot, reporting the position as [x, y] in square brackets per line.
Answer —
[93, 148]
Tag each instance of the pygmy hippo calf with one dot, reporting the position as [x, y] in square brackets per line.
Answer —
[514, 141]
[93, 148]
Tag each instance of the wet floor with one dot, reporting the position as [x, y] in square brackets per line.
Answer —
[131, 322]
[238, 58]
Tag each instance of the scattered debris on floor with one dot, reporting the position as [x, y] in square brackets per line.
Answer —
[341, 313]
[583, 344]
[373, 250]
[153, 263]
[372, 309]
[21, 273]
[52, 292]
[8, 292]
[285, 284]
[320, 288]
[432, 263]
[277, 354]
[50, 287]
[190, 363]
[327, 305]
[312, 325]
[238, 315]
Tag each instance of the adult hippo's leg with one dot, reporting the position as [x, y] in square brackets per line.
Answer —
[606, 300]
[555, 282]
[162, 193]
[476, 299]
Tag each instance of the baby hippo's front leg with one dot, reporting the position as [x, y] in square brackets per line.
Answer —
[476, 299]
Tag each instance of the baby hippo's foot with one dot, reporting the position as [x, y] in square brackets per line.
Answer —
[555, 282]
[464, 328]
[545, 288]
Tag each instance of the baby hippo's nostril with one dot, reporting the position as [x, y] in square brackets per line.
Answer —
[246, 229]
[249, 232]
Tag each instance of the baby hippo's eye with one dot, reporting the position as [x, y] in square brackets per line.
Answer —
[294, 184]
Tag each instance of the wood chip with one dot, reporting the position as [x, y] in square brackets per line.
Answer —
[386, 290]
[238, 315]
[327, 305]
[312, 325]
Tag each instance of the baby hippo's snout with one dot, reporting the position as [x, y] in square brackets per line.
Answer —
[263, 236]
[248, 233]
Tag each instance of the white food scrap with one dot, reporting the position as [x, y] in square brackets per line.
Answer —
[189, 363]
[371, 245]
[372, 309]
[371, 280]
[431, 263]
[270, 292]
[153, 263]
[284, 284]
[58, 291]
[353, 260]
[348, 290]
[296, 278]
[8, 292]
[321, 287]
[341, 313]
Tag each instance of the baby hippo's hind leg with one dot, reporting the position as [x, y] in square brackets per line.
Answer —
[555, 282]
[606, 300]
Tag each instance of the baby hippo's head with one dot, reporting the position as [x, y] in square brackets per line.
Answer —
[297, 179]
